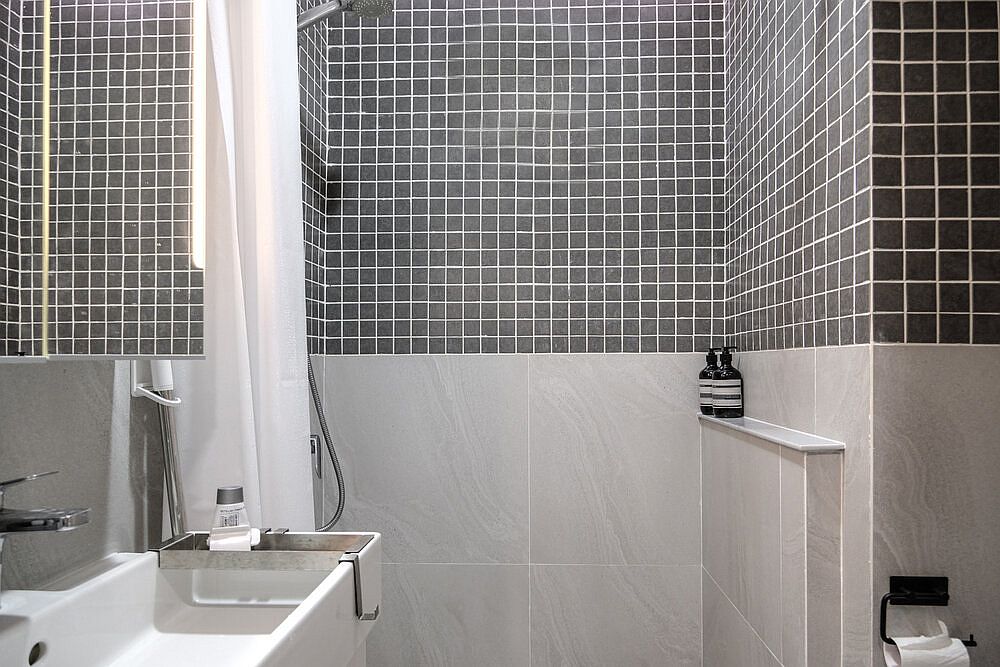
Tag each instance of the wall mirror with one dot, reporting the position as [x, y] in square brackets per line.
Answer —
[101, 144]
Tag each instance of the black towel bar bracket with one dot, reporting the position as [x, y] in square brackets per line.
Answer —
[915, 591]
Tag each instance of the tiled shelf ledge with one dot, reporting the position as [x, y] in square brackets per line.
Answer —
[779, 435]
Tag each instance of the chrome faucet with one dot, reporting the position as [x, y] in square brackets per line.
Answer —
[29, 521]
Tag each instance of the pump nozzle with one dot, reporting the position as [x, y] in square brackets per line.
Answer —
[727, 387]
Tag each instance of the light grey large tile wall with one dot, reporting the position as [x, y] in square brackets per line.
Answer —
[843, 412]
[78, 418]
[598, 615]
[741, 541]
[452, 614]
[568, 481]
[614, 444]
[828, 391]
[436, 454]
[729, 638]
[937, 497]
[771, 547]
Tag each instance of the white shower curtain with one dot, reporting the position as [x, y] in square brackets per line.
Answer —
[244, 418]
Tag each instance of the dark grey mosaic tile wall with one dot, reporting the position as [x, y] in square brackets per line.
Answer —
[541, 176]
[123, 282]
[313, 44]
[797, 128]
[22, 177]
[936, 169]
[30, 340]
[10, 41]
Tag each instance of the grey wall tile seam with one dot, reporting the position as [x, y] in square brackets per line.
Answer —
[742, 617]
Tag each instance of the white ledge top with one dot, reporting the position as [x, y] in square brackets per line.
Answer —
[779, 435]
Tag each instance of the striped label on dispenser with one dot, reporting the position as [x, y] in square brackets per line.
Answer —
[705, 393]
[727, 393]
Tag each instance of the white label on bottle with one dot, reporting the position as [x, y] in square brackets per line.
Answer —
[229, 517]
[705, 393]
[727, 393]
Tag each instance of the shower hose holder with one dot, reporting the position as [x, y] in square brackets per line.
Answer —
[915, 591]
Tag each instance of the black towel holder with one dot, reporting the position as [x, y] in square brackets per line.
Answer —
[915, 591]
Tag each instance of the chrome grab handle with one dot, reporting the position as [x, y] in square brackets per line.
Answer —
[355, 560]
[20, 480]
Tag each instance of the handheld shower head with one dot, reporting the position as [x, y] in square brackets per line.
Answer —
[370, 9]
[366, 9]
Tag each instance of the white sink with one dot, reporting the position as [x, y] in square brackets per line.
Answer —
[129, 611]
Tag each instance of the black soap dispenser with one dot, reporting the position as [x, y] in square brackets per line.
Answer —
[727, 387]
[705, 378]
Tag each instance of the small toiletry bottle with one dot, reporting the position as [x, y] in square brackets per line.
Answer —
[727, 387]
[705, 381]
[230, 510]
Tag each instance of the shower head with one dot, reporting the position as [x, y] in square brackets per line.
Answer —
[370, 9]
[366, 9]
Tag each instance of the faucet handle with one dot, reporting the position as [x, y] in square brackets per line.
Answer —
[20, 480]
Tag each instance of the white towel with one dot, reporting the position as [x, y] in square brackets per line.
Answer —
[233, 538]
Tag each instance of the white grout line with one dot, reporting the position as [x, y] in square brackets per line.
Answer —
[737, 610]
